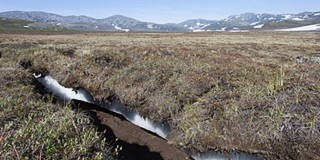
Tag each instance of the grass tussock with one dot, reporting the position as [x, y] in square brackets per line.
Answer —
[226, 91]
[33, 128]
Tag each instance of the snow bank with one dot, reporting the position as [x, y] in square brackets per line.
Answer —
[314, 27]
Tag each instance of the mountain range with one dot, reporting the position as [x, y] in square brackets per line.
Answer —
[245, 21]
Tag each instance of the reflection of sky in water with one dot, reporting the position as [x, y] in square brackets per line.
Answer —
[215, 155]
[66, 94]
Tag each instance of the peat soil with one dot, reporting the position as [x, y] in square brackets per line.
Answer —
[135, 142]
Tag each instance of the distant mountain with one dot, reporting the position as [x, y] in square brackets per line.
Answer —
[197, 24]
[245, 21]
[249, 21]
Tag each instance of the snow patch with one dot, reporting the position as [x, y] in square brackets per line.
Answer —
[287, 16]
[317, 14]
[198, 30]
[238, 31]
[26, 26]
[120, 29]
[314, 27]
[254, 23]
[150, 26]
[258, 26]
[199, 24]
[58, 24]
[221, 29]
[297, 19]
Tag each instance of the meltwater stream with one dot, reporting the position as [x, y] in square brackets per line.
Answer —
[66, 94]
[161, 129]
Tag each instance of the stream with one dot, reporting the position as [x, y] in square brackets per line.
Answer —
[161, 129]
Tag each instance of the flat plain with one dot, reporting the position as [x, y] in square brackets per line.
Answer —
[256, 92]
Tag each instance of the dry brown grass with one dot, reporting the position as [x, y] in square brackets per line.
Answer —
[240, 91]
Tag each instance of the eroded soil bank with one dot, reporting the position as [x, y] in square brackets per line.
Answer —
[135, 142]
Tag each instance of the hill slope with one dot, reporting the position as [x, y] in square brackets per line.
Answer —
[245, 21]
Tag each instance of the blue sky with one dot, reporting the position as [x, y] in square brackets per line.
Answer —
[161, 11]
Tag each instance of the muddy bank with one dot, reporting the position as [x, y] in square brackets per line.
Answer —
[136, 142]
[140, 138]
[226, 92]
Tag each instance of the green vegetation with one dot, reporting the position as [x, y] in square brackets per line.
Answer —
[13, 24]
[22, 26]
[31, 127]
[227, 91]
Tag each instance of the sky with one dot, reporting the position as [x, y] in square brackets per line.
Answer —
[161, 11]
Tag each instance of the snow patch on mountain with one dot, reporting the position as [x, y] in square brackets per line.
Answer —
[150, 26]
[297, 19]
[120, 29]
[287, 17]
[314, 27]
[258, 26]
[254, 23]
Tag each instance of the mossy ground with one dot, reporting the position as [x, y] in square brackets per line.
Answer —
[226, 91]
[31, 127]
